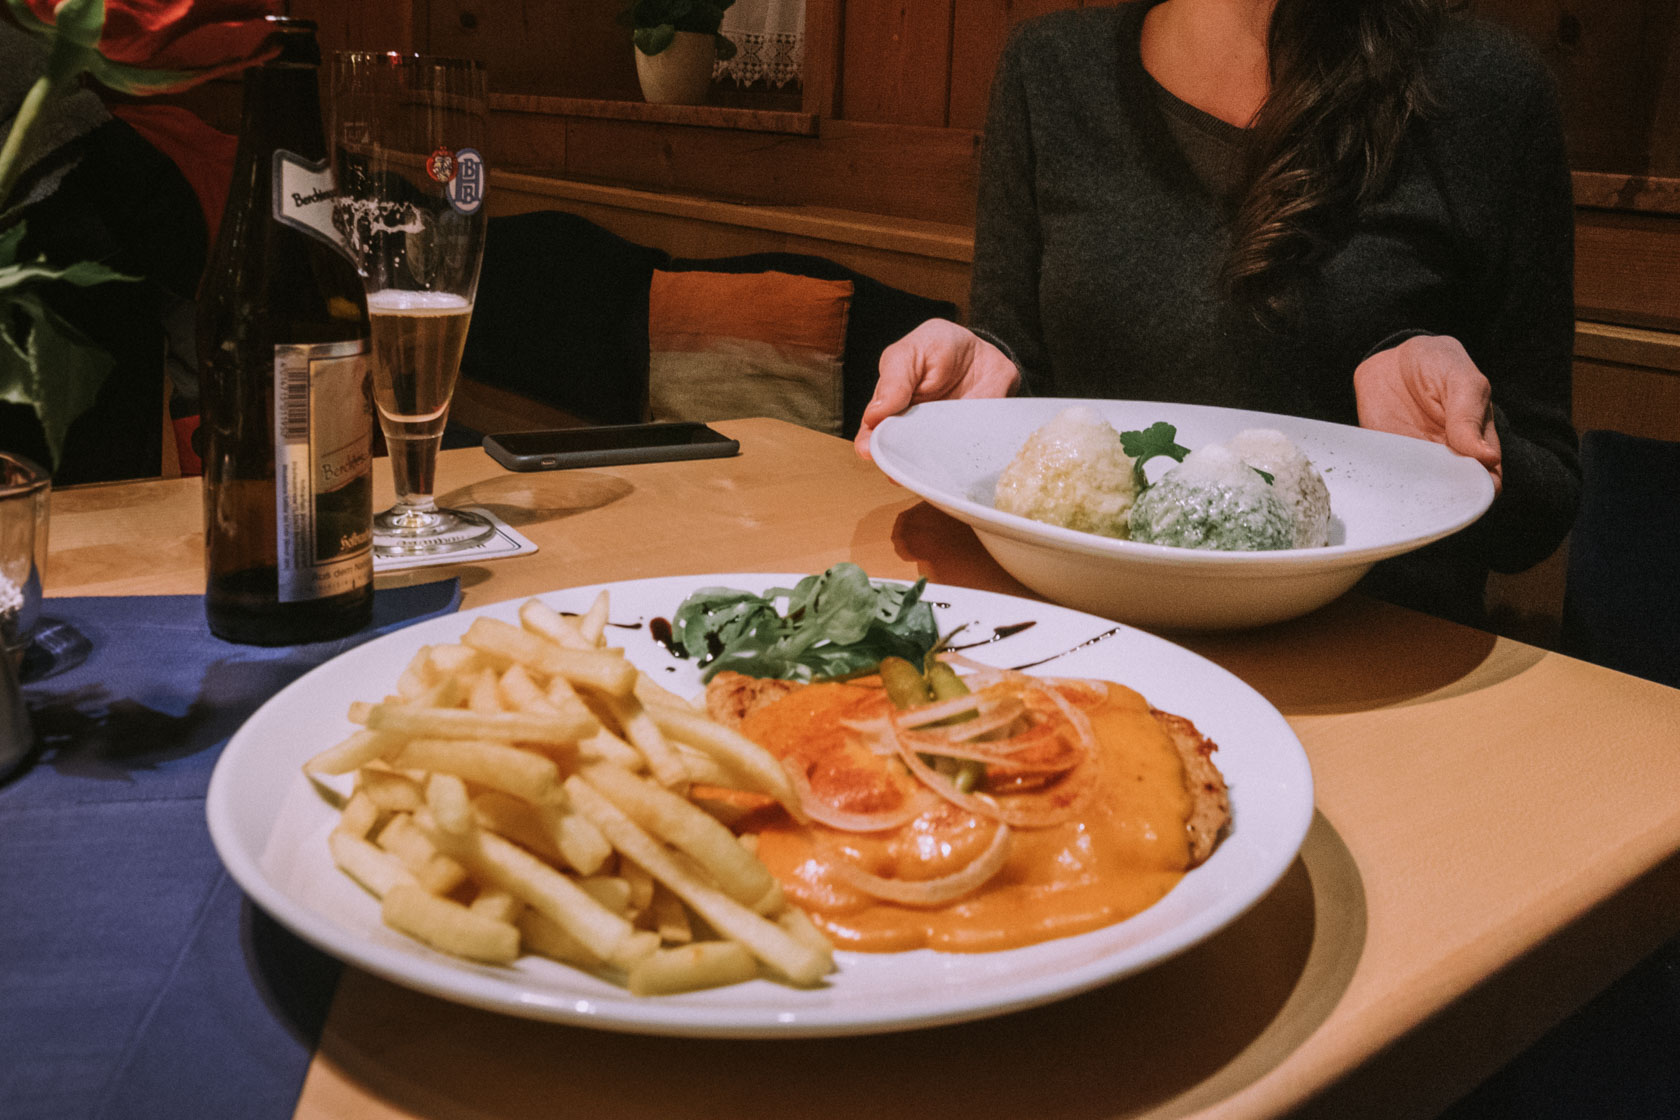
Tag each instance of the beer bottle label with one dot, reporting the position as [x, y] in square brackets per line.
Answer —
[323, 470]
[304, 193]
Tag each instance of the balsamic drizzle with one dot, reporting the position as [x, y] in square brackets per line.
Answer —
[998, 634]
[1087, 642]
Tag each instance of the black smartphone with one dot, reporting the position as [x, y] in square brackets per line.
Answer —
[608, 445]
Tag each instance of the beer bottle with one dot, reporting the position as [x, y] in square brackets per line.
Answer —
[287, 405]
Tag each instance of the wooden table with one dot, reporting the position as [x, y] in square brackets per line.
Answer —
[1498, 836]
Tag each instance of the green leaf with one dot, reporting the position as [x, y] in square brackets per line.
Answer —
[139, 80]
[835, 624]
[80, 21]
[49, 365]
[652, 40]
[77, 26]
[1160, 438]
[10, 239]
[26, 18]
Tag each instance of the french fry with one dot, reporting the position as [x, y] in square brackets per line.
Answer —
[540, 618]
[455, 660]
[679, 823]
[801, 928]
[611, 891]
[650, 691]
[457, 723]
[529, 790]
[580, 842]
[643, 732]
[799, 962]
[686, 968]
[357, 750]
[550, 829]
[604, 746]
[670, 919]
[543, 889]
[417, 676]
[446, 693]
[520, 693]
[517, 820]
[485, 695]
[592, 623]
[703, 769]
[359, 815]
[374, 868]
[525, 774]
[446, 797]
[735, 751]
[449, 926]
[391, 791]
[431, 869]
[603, 670]
[493, 902]
[543, 935]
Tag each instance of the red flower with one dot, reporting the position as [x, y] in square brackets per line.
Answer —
[154, 46]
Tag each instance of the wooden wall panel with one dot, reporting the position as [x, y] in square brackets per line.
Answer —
[1638, 400]
[1610, 60]
[1627, 268]
[365, 25]
[896, 61]
[978, 33]
[561, 48]
[917, 173]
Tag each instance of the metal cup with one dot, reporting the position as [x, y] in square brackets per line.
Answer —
[25, 490]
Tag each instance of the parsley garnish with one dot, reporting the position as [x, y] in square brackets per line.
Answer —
[1160, 438]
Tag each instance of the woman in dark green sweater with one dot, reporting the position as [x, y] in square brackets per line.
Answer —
[1353, 210]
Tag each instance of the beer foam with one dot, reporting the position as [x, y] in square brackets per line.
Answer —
[400, 300]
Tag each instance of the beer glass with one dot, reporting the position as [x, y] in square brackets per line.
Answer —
[407, 136]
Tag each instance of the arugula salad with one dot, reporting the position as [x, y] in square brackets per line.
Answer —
[837, 623]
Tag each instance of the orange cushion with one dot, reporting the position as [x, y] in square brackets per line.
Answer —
[729, 345]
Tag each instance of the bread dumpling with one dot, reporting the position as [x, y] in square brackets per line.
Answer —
[1071, 472]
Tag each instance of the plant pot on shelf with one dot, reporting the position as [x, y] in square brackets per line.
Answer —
[681, 74]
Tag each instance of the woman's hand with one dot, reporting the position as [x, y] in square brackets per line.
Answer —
[939, 360]
[1427, 387]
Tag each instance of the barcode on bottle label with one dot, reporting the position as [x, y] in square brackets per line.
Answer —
[323, 425]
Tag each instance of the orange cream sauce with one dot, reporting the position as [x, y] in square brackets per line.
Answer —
[1124, 850]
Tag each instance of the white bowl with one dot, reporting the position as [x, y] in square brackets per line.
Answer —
[1388, 495]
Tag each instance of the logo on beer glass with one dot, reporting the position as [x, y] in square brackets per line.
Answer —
[466, 190]
[440, 165]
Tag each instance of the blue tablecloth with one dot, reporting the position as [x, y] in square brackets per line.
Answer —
[135, 980]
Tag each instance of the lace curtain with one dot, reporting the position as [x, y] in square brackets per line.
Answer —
[769, 37]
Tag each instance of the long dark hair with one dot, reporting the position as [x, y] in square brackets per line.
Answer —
[1346, 85]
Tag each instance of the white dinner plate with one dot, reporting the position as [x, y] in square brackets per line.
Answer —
[270, 824]
[1388, 495]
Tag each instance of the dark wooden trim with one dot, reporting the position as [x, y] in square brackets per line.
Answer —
[703, 116]
[1645, 194]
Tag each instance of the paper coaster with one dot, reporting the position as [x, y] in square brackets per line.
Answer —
[505, 541]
